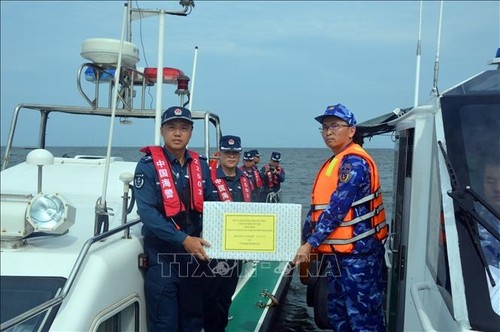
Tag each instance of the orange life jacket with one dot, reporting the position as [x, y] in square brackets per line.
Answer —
[342, 238]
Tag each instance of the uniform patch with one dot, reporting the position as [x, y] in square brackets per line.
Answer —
[138, 181]
[345, 172]
[147, 158]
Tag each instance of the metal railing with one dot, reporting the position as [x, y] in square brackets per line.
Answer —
[69, 282]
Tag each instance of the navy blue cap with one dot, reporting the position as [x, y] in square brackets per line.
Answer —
[255, 153]
[248, 156]
[230, 143]
[176, 112]
[276, 156]
[339, 111]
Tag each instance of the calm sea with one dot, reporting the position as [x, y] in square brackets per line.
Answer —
[300, 166]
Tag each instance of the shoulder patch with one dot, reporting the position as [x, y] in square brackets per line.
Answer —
[345, 172]
[147, 158]
[138, 180]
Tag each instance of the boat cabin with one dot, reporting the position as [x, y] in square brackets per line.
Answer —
[443, 249]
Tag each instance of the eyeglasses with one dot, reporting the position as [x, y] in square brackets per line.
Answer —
[332, 127]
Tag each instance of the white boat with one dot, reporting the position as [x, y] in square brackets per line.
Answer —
[438, 278]
[70, 243]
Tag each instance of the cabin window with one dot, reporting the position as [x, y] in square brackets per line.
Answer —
[20, 294]
[472, 132]
[126, 319]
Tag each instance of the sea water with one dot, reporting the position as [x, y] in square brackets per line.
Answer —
[301, 166]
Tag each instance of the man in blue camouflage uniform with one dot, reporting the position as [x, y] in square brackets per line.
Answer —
[174, 294]
[355, 281]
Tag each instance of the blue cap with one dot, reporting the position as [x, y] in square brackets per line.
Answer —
[255, 153]
[339, 111]
[230, 143]
[276, 156]
[176, 112]
[248, 156]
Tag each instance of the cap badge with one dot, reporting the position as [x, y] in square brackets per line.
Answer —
[178, 111]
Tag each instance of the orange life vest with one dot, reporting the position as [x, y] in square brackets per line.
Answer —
[342, 238]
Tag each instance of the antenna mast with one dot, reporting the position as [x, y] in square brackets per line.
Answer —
[194, 76]
[435, 90]
[419, 53]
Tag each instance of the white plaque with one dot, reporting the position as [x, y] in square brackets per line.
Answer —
[252, 231]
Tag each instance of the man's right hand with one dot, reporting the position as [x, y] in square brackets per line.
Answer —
[194, 245]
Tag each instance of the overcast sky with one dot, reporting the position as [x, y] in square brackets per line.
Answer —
[265, 67]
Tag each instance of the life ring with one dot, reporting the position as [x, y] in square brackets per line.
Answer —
[170, 75]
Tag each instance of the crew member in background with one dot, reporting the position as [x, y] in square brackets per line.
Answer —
[170, 185]
[230, 185]
[253, 175]
[273, 175]
[347, 224]
[489, 244]
[256, 159]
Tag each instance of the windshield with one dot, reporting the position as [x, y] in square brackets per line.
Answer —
[472, 129]
[19, 294]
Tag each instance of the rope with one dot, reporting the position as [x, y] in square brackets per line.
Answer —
[274, 197]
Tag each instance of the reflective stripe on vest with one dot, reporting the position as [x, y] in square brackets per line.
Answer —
[365, 199]
[342, 238]
[171, 201]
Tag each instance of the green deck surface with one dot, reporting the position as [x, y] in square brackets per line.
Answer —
[246, 314]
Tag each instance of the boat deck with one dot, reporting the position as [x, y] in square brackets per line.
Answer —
[251, 306]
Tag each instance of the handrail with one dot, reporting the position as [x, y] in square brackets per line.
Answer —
[69, 282]
[45, 109]
[422, 315]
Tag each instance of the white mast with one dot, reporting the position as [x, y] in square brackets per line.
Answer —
[435, 90]
[419, 53]
[190, 107]
[159, 77]
[114, 102]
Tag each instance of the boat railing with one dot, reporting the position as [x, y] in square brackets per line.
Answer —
[33, 312]
[45, 109]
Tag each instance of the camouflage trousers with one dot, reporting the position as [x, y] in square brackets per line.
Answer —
[356, 292]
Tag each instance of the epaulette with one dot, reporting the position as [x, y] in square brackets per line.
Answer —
[203, 157]
[147, 158]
